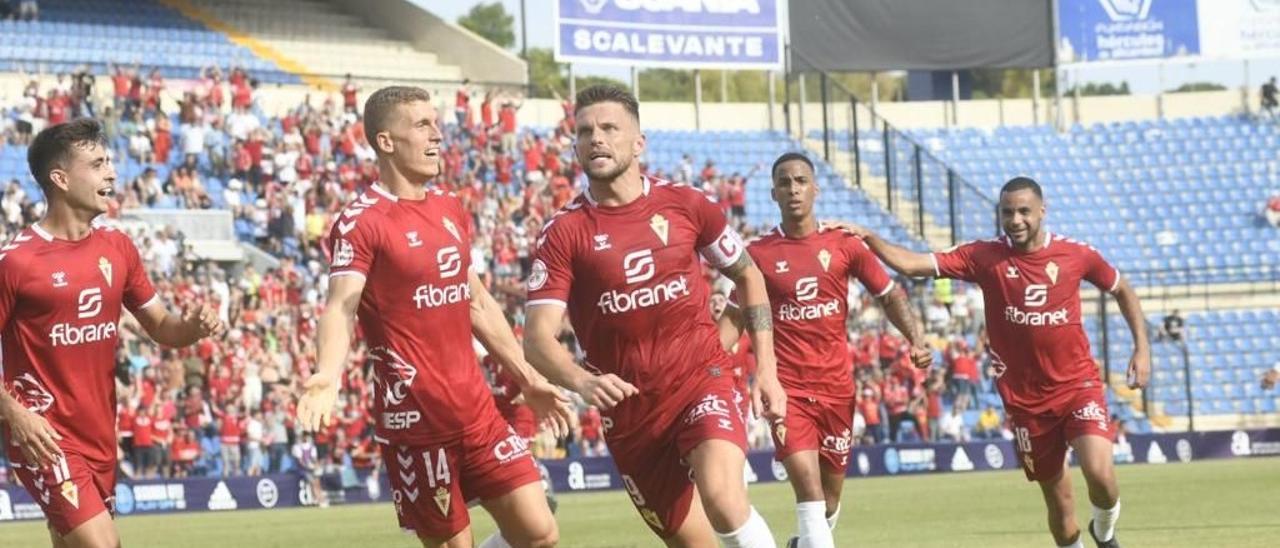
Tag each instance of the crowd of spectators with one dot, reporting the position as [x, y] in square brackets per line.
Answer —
[227, 406]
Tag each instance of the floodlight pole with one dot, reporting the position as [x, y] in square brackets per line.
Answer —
[697, 99]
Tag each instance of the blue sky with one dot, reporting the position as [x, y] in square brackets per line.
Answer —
[1143, 79]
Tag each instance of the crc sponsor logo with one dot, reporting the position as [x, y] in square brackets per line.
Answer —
[638, 266]
[618, 302]
[1017, 316]
[431, 295]
[450, 261]
[579, 479]
[1091, 412]
[710, 405]
[511, 448]
[268, 493]
[838, 444]
[402, 420]
[89, 304]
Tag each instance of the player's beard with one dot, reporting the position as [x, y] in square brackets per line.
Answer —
[607, 175]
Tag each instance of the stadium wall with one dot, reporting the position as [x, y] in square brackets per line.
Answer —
[598, 473]
[479, 59]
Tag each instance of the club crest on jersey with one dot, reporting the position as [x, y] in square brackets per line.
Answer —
[452, 228]
[1052, 270]
[602, 242]
[71, 493]
[442, 500]
[781, 268]
[660, 226]
[412, 235]
[781, 431]
[105, 266]
[59, 279]
[1011, 272]
[824, 257]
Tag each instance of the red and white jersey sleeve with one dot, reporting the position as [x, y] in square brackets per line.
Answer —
[865, 267]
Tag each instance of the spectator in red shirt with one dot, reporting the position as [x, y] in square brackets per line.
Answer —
[534, 154]
[507, 125]
[162, 140]
[349, 91]
[869, 407]
[462, 104]
[184, 452]
[896, 398]
[1273, 211]
[486, 112]
[143, 443]
[889, 348]
[592, 438]
[229, 433]
[162, 438]
[964, 372]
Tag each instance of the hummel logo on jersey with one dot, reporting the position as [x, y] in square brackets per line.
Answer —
[412, 235]
[59, 279]
[89, 303]
[1011, 272]
[602, 242]
[781, 268]
[638, 266]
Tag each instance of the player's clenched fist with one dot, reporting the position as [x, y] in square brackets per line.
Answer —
[604, 391]
[921, 356]
[32, 434]
[315, 407]
[768, 399]
[203, 320]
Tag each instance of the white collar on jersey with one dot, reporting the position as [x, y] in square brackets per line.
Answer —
[46, 236]
[778, 228]
[1047, 238]
[377, 187]
[592, 200]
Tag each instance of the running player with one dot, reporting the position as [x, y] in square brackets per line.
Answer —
[622, 258]
[1045, 372]
[63, 283]
[401, 261]
[807, 270]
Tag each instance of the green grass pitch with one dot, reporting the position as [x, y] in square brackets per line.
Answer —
[1212, 503]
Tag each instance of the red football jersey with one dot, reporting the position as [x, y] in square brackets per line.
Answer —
[1038, 345]
[415, 312]
[631, 279]
[808, 283]
[60, 305]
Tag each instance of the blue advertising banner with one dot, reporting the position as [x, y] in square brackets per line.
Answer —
[1112, 30]
[598, 473]
[687, 34]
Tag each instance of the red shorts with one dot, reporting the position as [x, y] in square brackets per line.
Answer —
[650, 456]
[1041, 441]
[431, 484]
[813, 424]
[71, 491]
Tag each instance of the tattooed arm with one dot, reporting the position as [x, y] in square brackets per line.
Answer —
[898, 310]
[767, 396]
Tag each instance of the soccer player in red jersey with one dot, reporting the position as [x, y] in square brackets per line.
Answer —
[622, 259]
[401, 263]
[63, 283]
[1045, 372]
[807, 269]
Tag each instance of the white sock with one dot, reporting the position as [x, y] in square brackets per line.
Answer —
[1104, 522]
[811, 525]
[1079, 543]
[495, 541]
[753, 534]
[833, 518]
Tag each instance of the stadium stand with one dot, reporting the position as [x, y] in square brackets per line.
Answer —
[120, 32]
